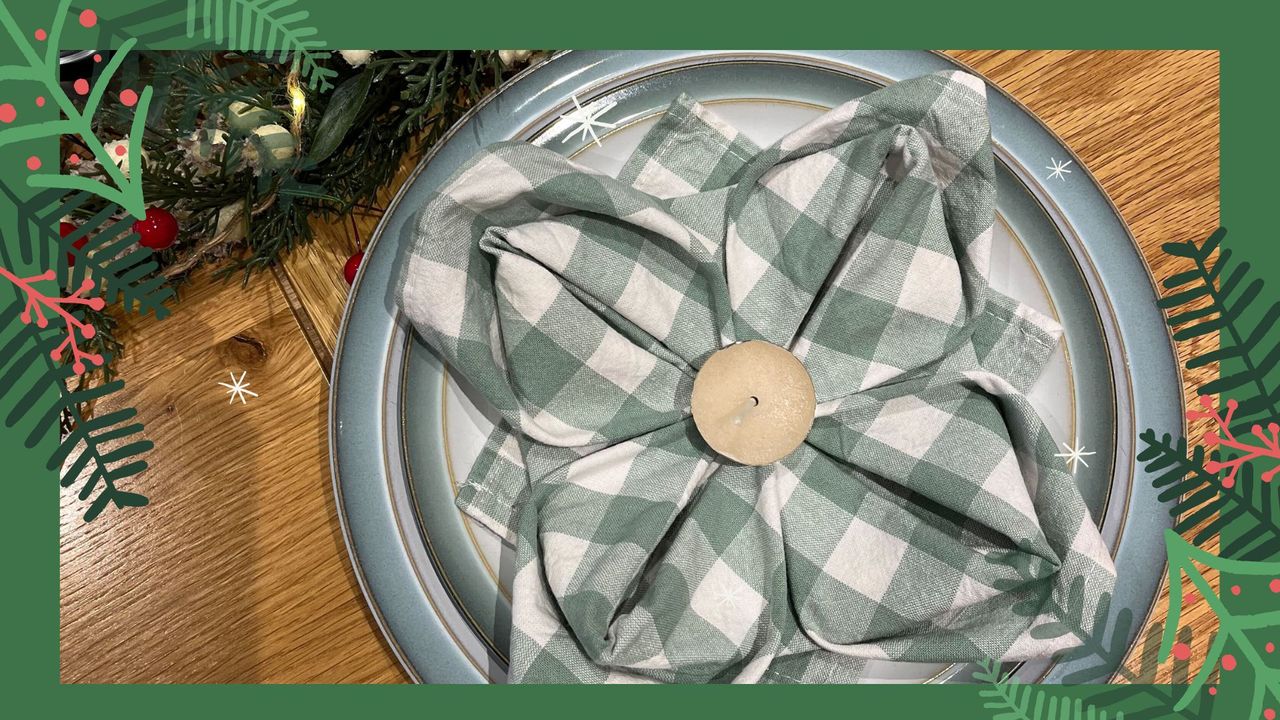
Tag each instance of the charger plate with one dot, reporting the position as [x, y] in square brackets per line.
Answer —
[403, 430]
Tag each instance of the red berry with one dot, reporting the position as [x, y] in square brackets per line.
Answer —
[353, 264]
[65, 229]
[157, 230]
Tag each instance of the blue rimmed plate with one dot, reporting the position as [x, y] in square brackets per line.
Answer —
[403, 430]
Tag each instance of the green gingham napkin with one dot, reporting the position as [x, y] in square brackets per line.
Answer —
[581, 306]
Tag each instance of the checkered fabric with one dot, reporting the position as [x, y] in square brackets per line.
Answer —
[581, 307]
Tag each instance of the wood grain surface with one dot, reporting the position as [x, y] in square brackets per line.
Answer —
[237, 571]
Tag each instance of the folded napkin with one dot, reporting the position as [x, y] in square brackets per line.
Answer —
[581, 307]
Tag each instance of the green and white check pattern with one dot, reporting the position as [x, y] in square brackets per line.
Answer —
[581, 306]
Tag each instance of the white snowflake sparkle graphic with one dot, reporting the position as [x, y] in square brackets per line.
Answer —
[1058, 169]
[238, 388]
[1074, 454]
[588, 120]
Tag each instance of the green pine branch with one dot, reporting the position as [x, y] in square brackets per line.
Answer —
[1014, 700]
[123, 191]
[259, 26]
[1200, 495]
[1185, 559]
[404, 104]
[1224, 292]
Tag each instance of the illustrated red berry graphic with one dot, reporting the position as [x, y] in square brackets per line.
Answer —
[157, 230]
[353, 264]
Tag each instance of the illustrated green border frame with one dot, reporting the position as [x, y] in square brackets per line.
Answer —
[29, 666]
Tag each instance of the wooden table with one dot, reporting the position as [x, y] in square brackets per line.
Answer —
[237, 571]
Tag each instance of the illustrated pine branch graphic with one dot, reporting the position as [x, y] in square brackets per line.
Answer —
[124, 191]
[157, 24]
[255, 25]
[1200, 495]
[99, 452]
[1213, 297]
[84, 449]
[123, 270]
[1142, 698]
[1108, 640]
[96, 451]
[1183, 560]
[1015, 701]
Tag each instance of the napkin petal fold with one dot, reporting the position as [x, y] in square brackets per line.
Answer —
[862, 239]
[938, 475]
[577, 380]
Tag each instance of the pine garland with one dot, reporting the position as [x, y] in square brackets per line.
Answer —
[240, 213]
